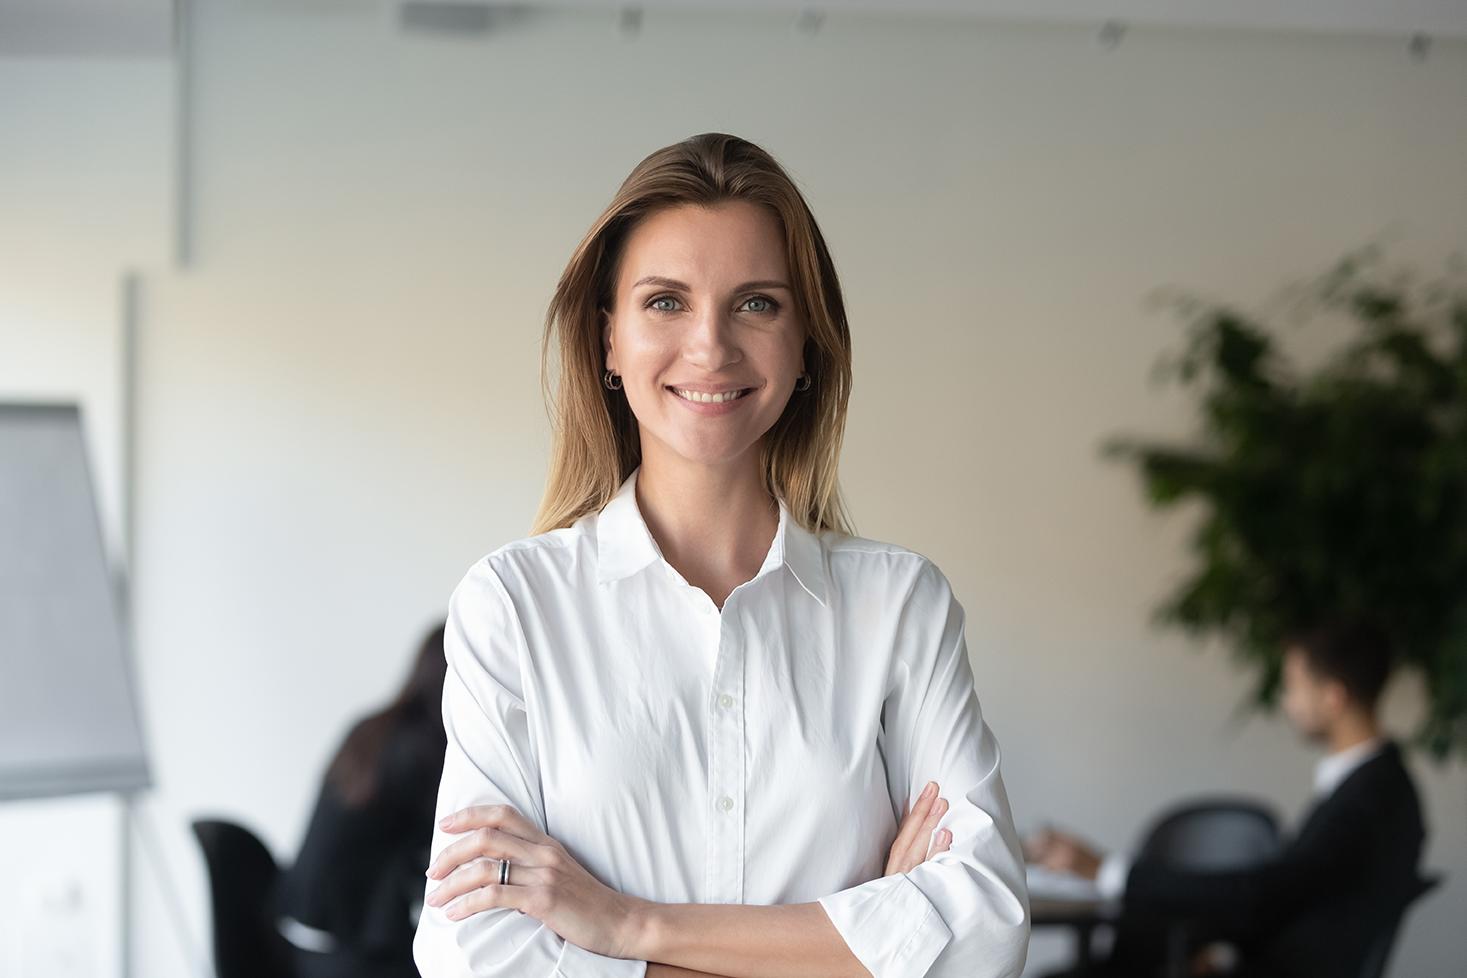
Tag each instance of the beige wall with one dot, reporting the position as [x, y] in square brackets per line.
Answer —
[339, 400]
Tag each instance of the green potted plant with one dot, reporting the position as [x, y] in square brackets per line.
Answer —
[1340, 489]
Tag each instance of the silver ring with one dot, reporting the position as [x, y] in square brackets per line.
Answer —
[504, 871]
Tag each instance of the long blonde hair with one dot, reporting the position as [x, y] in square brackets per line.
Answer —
[596, 444]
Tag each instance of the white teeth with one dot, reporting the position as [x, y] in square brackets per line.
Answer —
[708, 398]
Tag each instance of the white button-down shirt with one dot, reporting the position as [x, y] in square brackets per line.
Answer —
[762, 754]
[1335, 768]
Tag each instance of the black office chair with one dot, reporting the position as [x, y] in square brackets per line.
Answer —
[242, 881]
[1374, 963]
[1208, 834]
[1212, 834]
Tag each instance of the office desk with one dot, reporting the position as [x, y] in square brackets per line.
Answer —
[1081, 916]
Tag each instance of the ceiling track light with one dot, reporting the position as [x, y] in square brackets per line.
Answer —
[1110, 34]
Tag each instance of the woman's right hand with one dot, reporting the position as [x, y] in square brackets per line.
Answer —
[915, 842]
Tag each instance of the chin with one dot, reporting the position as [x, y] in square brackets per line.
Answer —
[714, 457]
[1314, 735]
[710, 451]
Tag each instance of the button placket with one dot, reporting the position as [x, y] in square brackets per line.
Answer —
[724, 877]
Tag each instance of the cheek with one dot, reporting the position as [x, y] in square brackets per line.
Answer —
[1295, 704]
[645, 352]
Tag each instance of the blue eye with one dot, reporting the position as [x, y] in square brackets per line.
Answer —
[770, 306]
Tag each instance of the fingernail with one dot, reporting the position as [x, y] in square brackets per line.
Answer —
[446, 821]
[927, 791]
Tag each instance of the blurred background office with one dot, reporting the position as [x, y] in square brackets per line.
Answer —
[292, 258]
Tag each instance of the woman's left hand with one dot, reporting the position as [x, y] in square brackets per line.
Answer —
[545, 881]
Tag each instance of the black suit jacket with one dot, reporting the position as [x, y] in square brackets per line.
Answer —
[1313, 910]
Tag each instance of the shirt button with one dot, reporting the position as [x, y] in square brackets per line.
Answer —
[725, 701]
[725, 803]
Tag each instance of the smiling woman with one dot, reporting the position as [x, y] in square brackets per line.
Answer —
[696, 726]
[692, 347]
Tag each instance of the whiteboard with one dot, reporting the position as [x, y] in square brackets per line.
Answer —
[69, 720]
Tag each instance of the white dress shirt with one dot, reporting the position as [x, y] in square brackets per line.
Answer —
[761, 754]
[1334, 768]
[1329, 771]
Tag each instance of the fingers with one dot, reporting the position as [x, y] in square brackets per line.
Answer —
[916, 841]
[479, 867]
[505, 817]
[487, 897]
[474, 875]
[942, 840]
[484, 841]
[934, 815]
[929, 826]
[907, 834]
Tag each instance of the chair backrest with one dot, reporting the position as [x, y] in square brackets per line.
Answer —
[1218, 833]
[1373, 965]
[242, 884]
[1212, 834]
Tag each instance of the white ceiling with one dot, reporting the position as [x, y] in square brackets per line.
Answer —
[145, 27]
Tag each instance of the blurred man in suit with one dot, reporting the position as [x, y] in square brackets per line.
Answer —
[1314, 909]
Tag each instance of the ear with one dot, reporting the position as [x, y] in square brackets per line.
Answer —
[606, 324]
[1336, 697]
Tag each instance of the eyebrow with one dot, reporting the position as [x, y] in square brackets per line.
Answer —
[672, 283]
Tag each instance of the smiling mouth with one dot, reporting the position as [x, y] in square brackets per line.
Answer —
[699, 397]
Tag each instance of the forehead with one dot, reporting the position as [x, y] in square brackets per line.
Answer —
[725, 244]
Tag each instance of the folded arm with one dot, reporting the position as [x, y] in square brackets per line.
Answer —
[490, 760]
[963, 912]
[744, 941]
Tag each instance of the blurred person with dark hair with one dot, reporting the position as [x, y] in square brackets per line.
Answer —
[351, 900]
[1312, 909]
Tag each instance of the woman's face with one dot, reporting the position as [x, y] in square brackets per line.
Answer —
[703, 304]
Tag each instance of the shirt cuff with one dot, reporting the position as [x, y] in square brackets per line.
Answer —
[1110, 880]
[577, 962]
[889, 925]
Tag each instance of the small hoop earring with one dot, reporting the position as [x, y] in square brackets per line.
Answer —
[607, 381]
[808, 383]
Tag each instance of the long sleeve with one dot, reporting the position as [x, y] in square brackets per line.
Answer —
[490, 759]
[964, 912]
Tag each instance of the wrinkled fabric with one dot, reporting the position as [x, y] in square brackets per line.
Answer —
[761, 754]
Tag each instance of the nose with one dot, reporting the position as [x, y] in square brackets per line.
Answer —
[710, 343]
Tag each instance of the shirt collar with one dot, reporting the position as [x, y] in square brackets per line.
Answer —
[1332, 769]
[624, 544]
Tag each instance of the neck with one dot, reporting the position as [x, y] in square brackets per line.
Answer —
[1352, 729]
[712, 522]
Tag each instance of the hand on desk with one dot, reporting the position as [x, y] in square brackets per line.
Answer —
[1062, 852]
